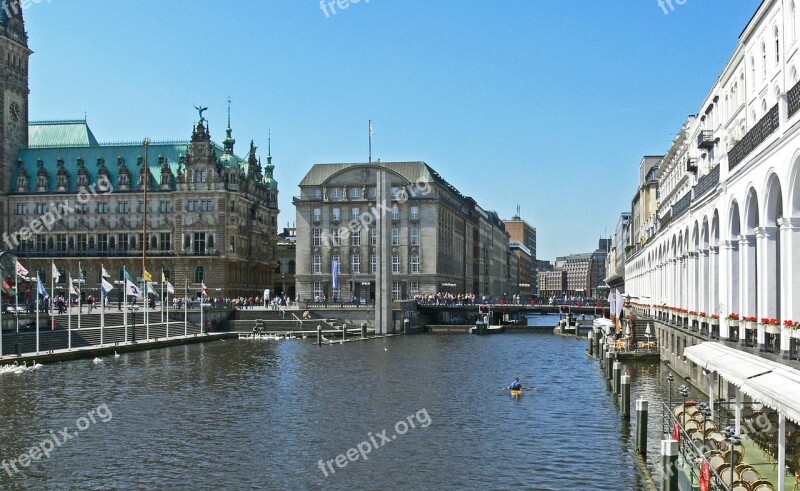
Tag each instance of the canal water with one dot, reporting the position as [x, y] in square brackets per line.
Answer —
[263, 414]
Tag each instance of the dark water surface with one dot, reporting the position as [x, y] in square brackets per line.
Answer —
[262, 414]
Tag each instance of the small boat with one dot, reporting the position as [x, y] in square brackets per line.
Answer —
[515, 392]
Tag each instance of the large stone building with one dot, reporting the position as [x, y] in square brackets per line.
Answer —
[521, 232]
[211, 215]
[441, 240]
[727, 236]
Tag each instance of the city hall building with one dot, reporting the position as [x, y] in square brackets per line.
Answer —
[441, 240]
[66, 197]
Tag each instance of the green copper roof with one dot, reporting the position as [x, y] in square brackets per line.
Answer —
[75, 133]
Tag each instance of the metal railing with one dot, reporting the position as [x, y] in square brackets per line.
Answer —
[691, 456]
[340, 305]
[765, 127]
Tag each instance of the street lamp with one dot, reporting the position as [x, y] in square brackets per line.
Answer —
[670, 379]
[684, 390]
[733, 438]
[706, 412]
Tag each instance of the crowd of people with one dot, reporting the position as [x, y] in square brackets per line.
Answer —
[447, 298]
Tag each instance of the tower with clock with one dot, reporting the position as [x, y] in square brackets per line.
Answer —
[14, 90]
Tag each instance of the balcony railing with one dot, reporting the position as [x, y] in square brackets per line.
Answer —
[794, 99]
[112, 253]
[682, 206]
[707, 183]
[765, 127]
[705, 139]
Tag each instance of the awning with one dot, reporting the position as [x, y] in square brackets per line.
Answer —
[771, 383]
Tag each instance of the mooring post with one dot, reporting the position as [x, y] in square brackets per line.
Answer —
[625, 384]
[609, 365]
[597, 342]
[641, 427]
[344, 332]
[591, 344]
[617, 372]
[601, 346]
[363, 330]
[319, 335]
[669, 462]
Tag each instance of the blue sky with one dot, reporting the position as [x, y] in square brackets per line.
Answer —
[546, 104]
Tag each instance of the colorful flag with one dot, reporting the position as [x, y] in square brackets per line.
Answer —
[56, 273]
[21, 271]
[205, 289]
[8, 286]
[40, 288]
[81, 272]
[132, 290]
[147, 276]
[105, 286]
[104, 272]
[335, 273]
[150, 289]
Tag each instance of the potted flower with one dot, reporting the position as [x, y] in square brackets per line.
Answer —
[733, 319]
[771, 326]
[792, 328]
[714, 319]
[750, 322]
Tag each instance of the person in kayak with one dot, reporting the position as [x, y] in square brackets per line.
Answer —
[515, 385]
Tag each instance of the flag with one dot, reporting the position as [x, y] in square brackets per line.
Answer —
[371, 130]
[205, 289]
[620, 301]
[611, 303]
[170, 288]
[147, 276]
[73, 288]
[40, 288]
[150, 289]
[81, 272]
[132, 290]
[105, 286]
[104, 272]
[129, 277]
[21, 271]
[56, 274]
[8, 286]
[335, 273]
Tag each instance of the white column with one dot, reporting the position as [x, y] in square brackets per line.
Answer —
[790, 265]
[713, 283]
[781, 451]
[692, 268]
[738, 412]
[766, 238]
[747, 278]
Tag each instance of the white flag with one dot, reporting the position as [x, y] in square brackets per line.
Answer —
[205, 289]
[105, 286]
[150, 289]
[71, 287]
[56, 274]
[132, 290]
[620, 302]
[104, 272]
[170, 288]
[21, 271]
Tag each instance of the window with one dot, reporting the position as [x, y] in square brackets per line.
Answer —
[199, 274]
[199, 243]
[41, 208]
[763, 60]
[317, 289]
[753, 70]
[207, 205]
[140, 208]
[373, 192]
[396, 290]
[395, 213]
[394, 191]
[82, 208]
[41, 243]
[355, 264]
[165, 206]
[336, 214]
[22, 208]
[355, 237]
[316, 236]
[373, 236]
[415, 263]
[122, 242]
[336, 193]
[292, 267]
[777, 47]
[395, 263]
[165, 241]
[415, 212]
[61, 242]
[200, 175]
[355, 213]
[395, 236]
[414, 235]
[82, 247]
[414, 287]
[336, 237]
[192, 205]
[317, 193]
[355, 192]
[102, 242]
[373, 263]
[316, 264]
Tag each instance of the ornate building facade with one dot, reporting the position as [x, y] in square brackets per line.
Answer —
[211, 215]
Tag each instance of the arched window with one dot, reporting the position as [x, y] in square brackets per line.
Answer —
[777, 46]
[291, 267]
[753, 70]
[794, 75]
[199, 274]
[763, 107]
[763, 60]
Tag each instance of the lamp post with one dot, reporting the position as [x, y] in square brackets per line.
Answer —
[706, 411]
[733, 438]
[670, 379]
[684, 390]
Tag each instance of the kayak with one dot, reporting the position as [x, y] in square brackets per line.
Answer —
[515, 392]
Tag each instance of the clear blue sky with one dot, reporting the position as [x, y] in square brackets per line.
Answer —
[549, 104]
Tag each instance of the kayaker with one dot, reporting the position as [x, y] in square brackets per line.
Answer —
[515, 385]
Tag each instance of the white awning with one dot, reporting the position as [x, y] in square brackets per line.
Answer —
[771, 383]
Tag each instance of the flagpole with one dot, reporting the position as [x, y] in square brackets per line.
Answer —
[370, 141]
[16, 295]
[162, 309]
[202, 292]
[162, 296]
[145, 241]
[52, 287]
[69, 311]
[186, 309]
[38, 280]
[125, 300]
[146, 307]
[102, 304]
